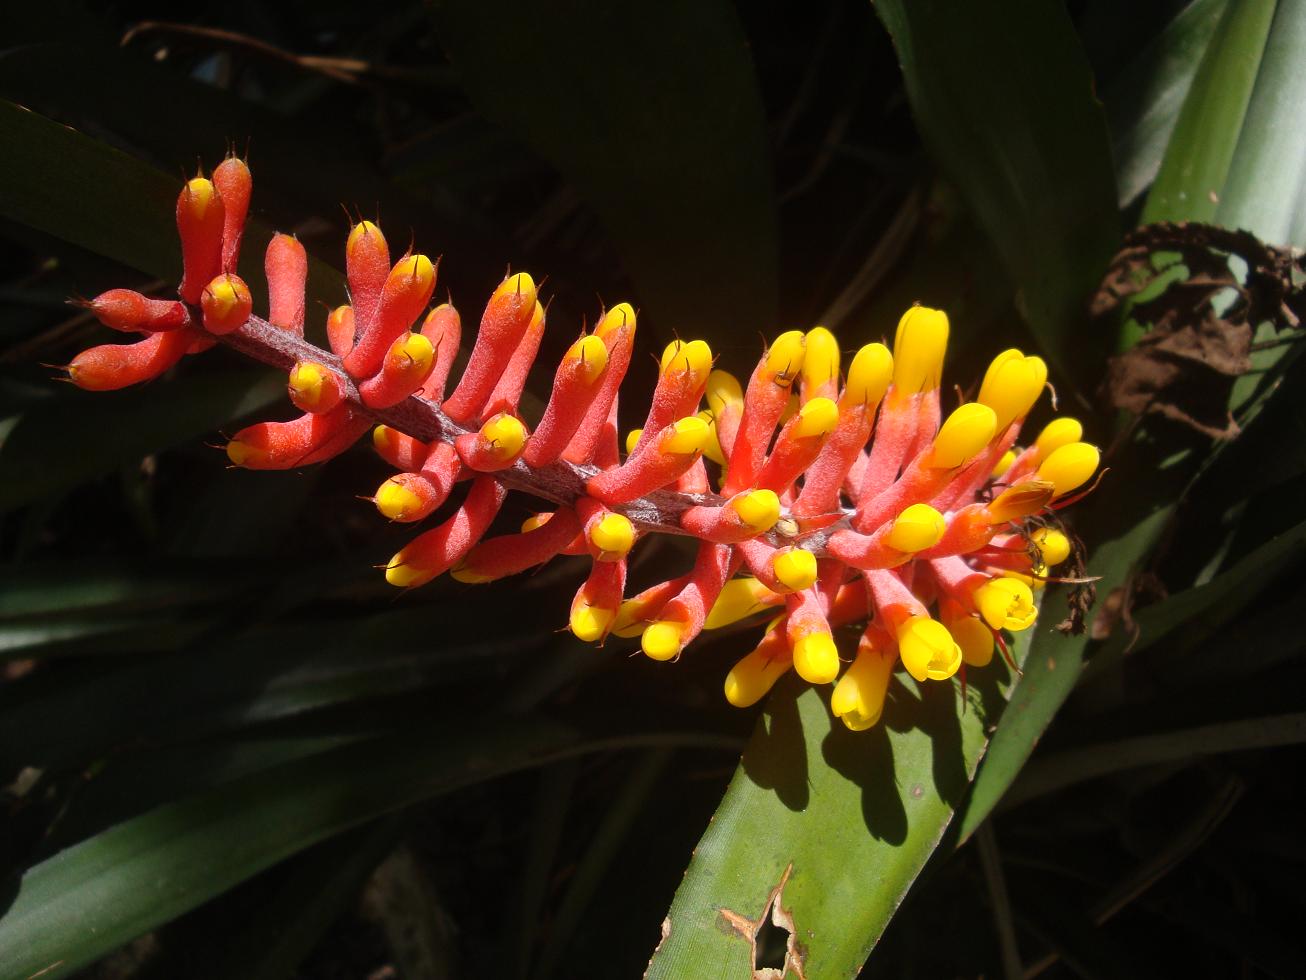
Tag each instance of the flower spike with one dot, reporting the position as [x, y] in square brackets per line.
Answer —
[858, 505]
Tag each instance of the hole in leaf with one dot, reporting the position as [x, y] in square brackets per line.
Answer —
[772, 946]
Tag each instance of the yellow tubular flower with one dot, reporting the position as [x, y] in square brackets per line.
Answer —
[1057, 433]
[918, 349]
[613, 536]
[918, 527]
[694, 357]
[712, 450]
[621, 315]
[520, 284]
[590, 353]
[739, 599]
[588, 623]
[535, 522]
[974, 638]
[688, 435]
[794, 567]
[858, 698]
[1070, 467]
[630, 619]
[927, 649]
[1011, 385]
[1053, 546]
[817, 418]
[821, 359]
[750, 679]
[816, 658]
[868, 376]
[395, 502]
[759, 509]
[632, 437]
[663, 639]
[305, 384]
[722, 390]
[964, 435]
[1004, 464]
[241, 453]
[784, 358]
[506, 434]
[1006, 603]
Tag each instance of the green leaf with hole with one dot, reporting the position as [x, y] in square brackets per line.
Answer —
[844, 820]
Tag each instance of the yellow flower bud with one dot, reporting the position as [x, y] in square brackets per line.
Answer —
[868, 376]
[963, 435]
[1070, 467]
[1011, 385]
[589, 623]
[816, 658]
[795, 568]
[688, 435]
[632, 440]
[722, 390]
[694, 357]
[662, 640]
[306, 380]
[739, 599]
[1003, 464]
[817, 418]
[520, 284]
[613, 535]
[759, 509]
[918, 527]
[506, 434]
[750, 679]
[621, 315]
[592, 356]
[1053, 545]
[820, 358]
[858, 698]
[1057, 433]
[712, 450]
[918, 349]
[395, 501]
[784, 359]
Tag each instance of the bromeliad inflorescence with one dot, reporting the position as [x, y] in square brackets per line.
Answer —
[866, 507]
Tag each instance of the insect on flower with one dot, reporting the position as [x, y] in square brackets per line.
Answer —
[833, 498]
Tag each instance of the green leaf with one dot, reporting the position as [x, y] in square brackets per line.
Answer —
[1004, 101]
[1144, 101]
[1207, 138]
[94, 896]
[1200, 152]
[102, 892]
[95, 432]
[651, 110]
[849, 817]
[1054, 772]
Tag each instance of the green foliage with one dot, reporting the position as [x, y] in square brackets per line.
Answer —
[217, 724]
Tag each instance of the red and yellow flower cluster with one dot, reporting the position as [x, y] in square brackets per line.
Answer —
[832, 497]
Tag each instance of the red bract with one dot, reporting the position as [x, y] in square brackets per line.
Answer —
[866, 507]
